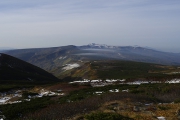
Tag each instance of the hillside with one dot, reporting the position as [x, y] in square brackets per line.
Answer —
[46, 58]
[130, 70]
[13, 70]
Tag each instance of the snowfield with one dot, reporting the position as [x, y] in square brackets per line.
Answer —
[71, 66]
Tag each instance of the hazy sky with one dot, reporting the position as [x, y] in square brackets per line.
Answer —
[46, 23]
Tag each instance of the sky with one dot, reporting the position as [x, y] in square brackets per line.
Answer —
[49, 23]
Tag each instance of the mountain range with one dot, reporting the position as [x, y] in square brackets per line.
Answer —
[55, 58]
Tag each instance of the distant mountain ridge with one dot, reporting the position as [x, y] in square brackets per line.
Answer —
[103, 46]
[136, 53]
[53, 59]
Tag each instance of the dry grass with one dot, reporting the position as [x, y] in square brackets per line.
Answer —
[125, 108]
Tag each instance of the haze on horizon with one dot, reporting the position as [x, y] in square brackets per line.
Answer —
[44, 23]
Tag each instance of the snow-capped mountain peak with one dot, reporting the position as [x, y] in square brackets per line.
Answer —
[100, 45]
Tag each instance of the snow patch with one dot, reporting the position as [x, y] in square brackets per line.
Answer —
[173, 81]
[161, 118]
[101, 45]
[115, 90]
[71, 66]
[62, 57]
[4, 99]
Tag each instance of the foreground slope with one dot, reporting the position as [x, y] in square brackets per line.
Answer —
[16, 70]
